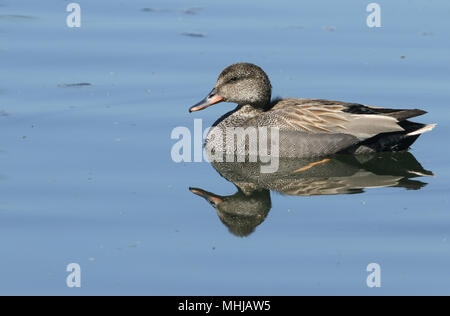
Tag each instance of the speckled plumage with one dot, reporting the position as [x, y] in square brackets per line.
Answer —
[310, 127]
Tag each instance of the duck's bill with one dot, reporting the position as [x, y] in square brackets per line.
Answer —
[210, 197]
[211, 99]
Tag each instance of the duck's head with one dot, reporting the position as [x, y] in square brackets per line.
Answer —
[242, 83]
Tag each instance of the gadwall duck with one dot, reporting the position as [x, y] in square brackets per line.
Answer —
[309, 127]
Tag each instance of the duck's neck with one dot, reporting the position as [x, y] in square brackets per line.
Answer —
[247, 110]
[238, 116]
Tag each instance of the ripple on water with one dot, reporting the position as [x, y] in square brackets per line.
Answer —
[14, 17]
[189, 11]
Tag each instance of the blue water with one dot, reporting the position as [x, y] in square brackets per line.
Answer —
[86, 174]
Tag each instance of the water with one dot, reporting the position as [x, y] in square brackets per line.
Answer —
[86, 174]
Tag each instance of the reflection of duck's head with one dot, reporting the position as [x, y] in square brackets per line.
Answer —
[240, 212]
[241, 83]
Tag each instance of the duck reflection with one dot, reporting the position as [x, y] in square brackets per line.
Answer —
[243, 211]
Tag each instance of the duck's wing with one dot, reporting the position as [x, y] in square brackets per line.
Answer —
[335, 117]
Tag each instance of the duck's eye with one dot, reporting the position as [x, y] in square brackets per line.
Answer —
[234, 79]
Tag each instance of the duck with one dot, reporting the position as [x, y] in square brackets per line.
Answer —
[308, 127]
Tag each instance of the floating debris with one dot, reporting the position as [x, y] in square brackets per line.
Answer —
[426, 33]
[191, 11]
[193, 34]
[71, 85]
[329, 28]
[402, 57]
[156, 10]
[135, 244]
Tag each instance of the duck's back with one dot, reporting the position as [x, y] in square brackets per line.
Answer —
[316, 127]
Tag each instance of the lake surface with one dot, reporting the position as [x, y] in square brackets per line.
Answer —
[86, 174]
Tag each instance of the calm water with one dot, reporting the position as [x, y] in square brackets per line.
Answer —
[86, 174]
